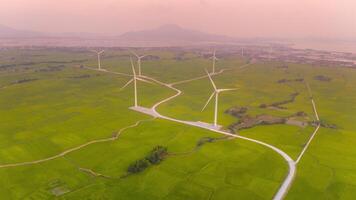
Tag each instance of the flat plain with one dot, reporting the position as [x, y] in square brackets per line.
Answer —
[50, 105]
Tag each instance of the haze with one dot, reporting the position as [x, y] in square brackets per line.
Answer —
[244, 18]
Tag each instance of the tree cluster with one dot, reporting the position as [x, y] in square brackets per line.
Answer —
[156, 155]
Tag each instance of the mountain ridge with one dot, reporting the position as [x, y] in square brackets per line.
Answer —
[172, 32]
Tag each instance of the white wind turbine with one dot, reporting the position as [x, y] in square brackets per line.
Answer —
[98, 53]
[138, 61]
[214, 60]
[216, 94]
[134, 80]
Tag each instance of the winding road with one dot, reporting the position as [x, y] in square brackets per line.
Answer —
[282, 191]
[291, 163]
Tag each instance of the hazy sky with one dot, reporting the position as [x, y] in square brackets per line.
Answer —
[245, 18]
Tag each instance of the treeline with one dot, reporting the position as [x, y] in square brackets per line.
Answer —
[322, 78]
[290, 80]
[25, 80]
[5, 66]
[280, 103]
[156, 156]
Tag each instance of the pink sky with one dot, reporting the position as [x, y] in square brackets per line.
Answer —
[245, 18]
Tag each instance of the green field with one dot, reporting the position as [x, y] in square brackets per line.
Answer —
[48, 104]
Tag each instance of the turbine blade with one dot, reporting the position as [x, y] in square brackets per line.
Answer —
[214, 55]
[211, 96]
[144, 80]
[211, 80]
[133, 68]
[102, 51]
[128, 83]
[229, 89]
[134, 54]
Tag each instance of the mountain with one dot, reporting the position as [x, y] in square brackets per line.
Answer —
[8, 32]
[171, 32]
[167, 35]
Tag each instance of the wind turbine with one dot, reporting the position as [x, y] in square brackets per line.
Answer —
[98, 53]
[270, 53]
[134, 80]
[242, 51]
[216, 94]
[214, 60]
[138, 61]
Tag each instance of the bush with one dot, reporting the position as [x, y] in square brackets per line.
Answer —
[157, 154]
[138, 166]
[263, 106]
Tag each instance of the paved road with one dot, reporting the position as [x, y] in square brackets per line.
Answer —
[152, 111]
[205, 76]
[291, 164]
[106, 71]
[317, 128]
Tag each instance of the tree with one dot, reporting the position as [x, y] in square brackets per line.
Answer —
[138, 166]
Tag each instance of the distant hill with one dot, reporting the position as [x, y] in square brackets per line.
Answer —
[172, 32]
[167, 35]
[8, 32]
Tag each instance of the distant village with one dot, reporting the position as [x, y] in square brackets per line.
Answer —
[254, 51]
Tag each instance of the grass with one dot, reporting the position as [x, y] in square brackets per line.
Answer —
[61, 111]
[328, 169]
[57, 112]
[256, 86]
[195, 175]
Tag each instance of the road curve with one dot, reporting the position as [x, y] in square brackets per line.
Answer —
[282, 191]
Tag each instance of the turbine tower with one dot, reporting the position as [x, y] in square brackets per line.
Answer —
[138, 61]
[134, 80]
[98, 53]
[214, 60]
[216, 94]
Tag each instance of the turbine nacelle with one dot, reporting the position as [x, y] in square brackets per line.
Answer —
[137, 56]
[134, 80]
[216, 94]
[214, 58]
[138, 61]
[98, 54]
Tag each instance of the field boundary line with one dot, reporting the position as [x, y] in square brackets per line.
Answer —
[113, 138]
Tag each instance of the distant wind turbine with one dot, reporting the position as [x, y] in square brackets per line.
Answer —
[98, 53]
[216, 94]
[138, 61]
[134, 80]
[214, 60]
